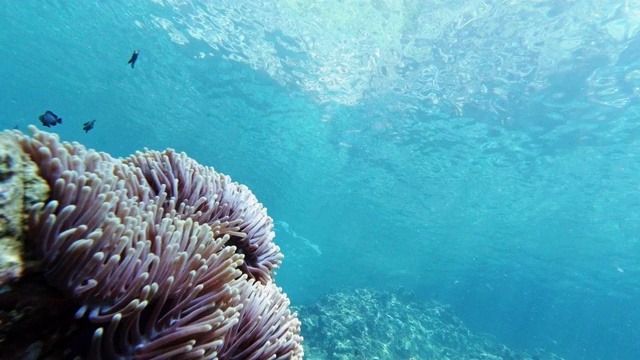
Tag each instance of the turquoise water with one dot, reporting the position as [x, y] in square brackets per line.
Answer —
[484, 154]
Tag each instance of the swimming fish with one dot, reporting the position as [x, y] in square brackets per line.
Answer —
[88, 125]
[134, 58]
[49, 119]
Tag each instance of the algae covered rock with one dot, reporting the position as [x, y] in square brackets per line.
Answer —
[20, 188]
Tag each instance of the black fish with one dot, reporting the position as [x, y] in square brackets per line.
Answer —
[134, 58]
[88, 125]
[49, 119]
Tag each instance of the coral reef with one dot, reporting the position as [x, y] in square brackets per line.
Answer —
[367, 324]
[161, 258]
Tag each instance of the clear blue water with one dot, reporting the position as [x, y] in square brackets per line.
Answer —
[485, 154]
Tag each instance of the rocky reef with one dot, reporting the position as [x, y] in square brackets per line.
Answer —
[20, 189]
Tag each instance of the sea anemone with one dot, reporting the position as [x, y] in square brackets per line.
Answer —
[202, 194]
[165, 258]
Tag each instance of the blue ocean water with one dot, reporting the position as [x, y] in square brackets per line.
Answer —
[484, 154]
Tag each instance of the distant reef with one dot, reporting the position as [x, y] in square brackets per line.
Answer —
[365, 324]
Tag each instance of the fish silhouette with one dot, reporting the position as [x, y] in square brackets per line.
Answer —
[134, 58]
[88, 125]
[49, 119]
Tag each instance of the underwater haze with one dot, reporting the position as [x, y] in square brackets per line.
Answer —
[484, 154]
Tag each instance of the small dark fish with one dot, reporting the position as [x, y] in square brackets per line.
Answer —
[49, 119]
[88, 125]
[134, 58]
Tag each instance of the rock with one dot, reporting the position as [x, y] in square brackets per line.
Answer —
[20, 188]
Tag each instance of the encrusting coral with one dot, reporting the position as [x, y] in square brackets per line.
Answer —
[165, 258]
